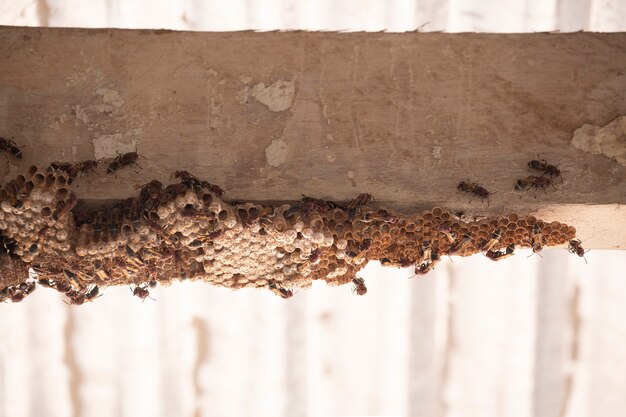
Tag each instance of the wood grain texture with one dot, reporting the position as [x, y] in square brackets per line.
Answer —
[270, 116]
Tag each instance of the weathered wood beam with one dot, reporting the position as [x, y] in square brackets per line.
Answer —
[271, 116]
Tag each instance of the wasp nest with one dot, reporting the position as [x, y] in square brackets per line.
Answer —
[187, 231]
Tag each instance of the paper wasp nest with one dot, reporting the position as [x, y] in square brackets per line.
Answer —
[187, 231]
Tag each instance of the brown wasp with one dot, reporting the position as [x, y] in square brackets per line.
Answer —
[65, 208]
[499, 255]
[361, 249]
[7, 246]
[310, 204]
[142, 292]
[401, 263]
[359, 286]
[8, 146]
[281, 292]
[475, 189]
[536, 239]
[79, 298]
[575, 247]
[63, 167]
[547, 169]
[493, 240]
[195, 183]
[424, 267]
[381, 215]
[425, 250]
[358, 202]
[533, 181]
[315, 255]
[446, 230]
[122, 161]
[84, 167]
[460, 245]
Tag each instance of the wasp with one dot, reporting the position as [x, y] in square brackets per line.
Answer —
[28, 287]
[425, 251]
[575, 247]
[381, 215]
[76, 297]
[44, 282]
[150, 191]
[122, 161]
[475, 189]
[63, 287]
[460, 245]
[93, 294]
[446, 230]
[7, 246]
[493, 240]
[533, 181]
[195, 183]
[310, 204]
[84, 167]
[499, 255]
[65, 167]
[172, 191]
[315, 255]
[359, 286]
[291, 211]
[425, 267]
[188, 179]
[536, 238]
[402, 263]
[358, 202]
[542, 165]
[66, 208]
[10, 147]
[142, 292]
[281, 292]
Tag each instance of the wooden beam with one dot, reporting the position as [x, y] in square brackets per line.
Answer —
[271, 116]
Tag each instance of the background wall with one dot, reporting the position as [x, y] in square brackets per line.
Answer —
[528, 336]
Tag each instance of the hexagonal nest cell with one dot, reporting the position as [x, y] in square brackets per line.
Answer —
[187, 231]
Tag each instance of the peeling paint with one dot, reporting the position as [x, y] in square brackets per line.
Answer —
[277, 96]
[276, 153]
[56, 125]
[609, 140]
[242, 95]
[79, 113]
[111, 101]
[109, 146]
[329, 156]
[436, 151]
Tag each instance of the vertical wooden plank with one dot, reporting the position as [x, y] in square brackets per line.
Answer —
[553, 341]
[21, 13]
[433, 15]
[358, 347]
[604, 363]
[608, 16]
[48, 390]
[247, 347]
[491, 342]
[428, 342]
[296, 353]
[401, 16]
[15, 368]
[177, 351]
[137, 344]
[572, 16]
[92, 355]
[76, 13]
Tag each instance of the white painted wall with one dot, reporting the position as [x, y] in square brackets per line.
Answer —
[534, 336]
